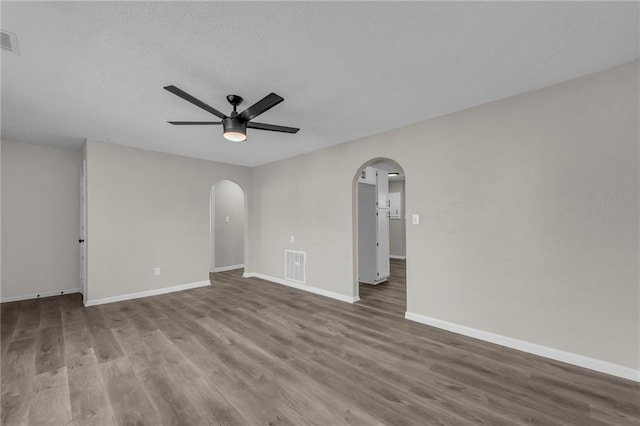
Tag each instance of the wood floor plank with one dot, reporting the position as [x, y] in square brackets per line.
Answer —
[50, 350]
[78, 349]
[50, 380]
[103, 342]
[28, 322]
[50, 313]
[169, 395]
[18, 372]
[249, 352]
[89, 399]
[8, 318]
[50, 404]
[112, 316]
[129, 401]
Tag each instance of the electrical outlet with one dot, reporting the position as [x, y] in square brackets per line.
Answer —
[156, 271]
[227, 219]
[292, 239]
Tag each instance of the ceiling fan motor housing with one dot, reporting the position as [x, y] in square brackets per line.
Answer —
[234, 126]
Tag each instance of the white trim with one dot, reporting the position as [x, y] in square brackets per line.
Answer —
[40, 295]
[146, 293]
[544, 351]
[392, 256]
[228, 268]
[304, 287]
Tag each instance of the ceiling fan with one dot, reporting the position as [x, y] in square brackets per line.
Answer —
[236, 124]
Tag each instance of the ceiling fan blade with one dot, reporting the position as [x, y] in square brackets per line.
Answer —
[261, 106]
[272, 127]
[197, 102]
[194, 123]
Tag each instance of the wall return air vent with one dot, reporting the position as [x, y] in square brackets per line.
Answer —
[9, 42]
[294, 266]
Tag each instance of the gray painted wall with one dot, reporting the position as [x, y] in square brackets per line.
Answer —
[147, 210]
[228, 236]
[397, 240]
[40, 219]
[529, 215]
[0, 220]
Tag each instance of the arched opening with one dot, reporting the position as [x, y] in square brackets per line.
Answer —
[380, 236]
[227, 214]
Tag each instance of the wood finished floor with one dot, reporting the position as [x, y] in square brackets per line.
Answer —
[249, 352]
[389, 297]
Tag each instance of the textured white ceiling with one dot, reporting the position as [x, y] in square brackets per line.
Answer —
[346, 70]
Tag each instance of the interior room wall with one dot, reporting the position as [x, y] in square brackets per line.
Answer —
[229, 236]
[397, 240]
[0, 220]
[148, 210]
[528, 215]
[40, 219]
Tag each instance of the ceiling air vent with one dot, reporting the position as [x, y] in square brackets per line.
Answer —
[10, 42]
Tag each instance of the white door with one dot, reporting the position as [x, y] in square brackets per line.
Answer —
[367, 235]
[83, 231]
[382, 185]
[382, 252]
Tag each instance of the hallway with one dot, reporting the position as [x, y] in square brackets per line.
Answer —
[389, 297]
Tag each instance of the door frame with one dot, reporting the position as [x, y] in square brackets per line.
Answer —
[212, 223]
[83, 230]
[355, 217]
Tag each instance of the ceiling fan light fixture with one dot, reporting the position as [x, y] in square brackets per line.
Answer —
[235, 136]
[234, 130]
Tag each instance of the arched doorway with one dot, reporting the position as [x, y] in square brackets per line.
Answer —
[380, 236]
[227, 226]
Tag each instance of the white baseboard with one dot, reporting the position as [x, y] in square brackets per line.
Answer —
[228, 268]
[146, 293]
[39, 295]
[392, 256]
[310, 289]
[544, 351]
